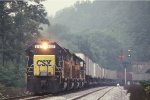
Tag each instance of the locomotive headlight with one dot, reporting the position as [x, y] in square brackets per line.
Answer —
[45, 45]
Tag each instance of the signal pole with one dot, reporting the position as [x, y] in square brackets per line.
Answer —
[122, 58]
[125, 71]
[126, 61]
[125, 76]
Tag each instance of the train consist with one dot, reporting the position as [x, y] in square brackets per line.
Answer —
[52, 68]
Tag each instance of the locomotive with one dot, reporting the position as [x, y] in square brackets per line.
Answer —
[52, 68]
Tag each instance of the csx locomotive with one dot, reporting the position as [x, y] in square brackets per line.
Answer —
[52, 68]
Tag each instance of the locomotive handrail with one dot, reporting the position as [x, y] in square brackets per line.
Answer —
[58, 68]
[28, 69]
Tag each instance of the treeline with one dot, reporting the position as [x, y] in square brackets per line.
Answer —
[99, 29]
[102, 30]
[101, 48]
[19, 24]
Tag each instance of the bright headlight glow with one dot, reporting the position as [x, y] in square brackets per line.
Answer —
[44, 45]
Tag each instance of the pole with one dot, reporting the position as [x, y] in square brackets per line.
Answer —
[125, 78]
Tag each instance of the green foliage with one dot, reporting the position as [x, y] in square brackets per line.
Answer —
[20, 24]
[1, 90]
[101, 48]
[103, 29]
[146, 85]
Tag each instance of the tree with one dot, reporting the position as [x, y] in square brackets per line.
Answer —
[20, 24]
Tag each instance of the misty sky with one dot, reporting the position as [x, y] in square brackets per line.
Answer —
[52, 6]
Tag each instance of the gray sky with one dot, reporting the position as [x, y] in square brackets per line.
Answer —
[52, 6]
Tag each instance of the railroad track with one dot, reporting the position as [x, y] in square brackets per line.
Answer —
[33, 97]
[105, 93]
[30, 97]
[87, 94]
[17, 98]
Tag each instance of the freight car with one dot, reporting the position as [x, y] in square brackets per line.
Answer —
[96, 75]
[140, 76]
[52, 68]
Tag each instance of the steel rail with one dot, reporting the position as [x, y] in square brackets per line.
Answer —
[84, 95]
[105, 93]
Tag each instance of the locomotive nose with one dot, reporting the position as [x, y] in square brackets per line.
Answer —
[44, 65]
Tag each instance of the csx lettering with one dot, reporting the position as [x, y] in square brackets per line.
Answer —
[44, 63]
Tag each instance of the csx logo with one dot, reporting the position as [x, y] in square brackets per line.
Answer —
[43, 63]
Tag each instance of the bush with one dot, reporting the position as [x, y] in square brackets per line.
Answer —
[146, 85]
[10, 76]
[137, 92]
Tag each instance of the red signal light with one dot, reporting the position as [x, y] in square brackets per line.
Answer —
[121, 56]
